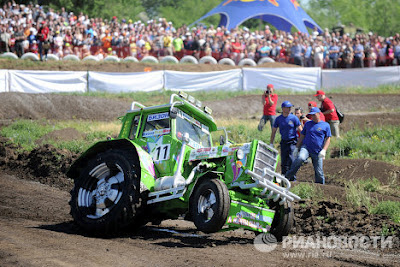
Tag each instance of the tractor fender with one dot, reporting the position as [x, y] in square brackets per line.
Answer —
[147, 170]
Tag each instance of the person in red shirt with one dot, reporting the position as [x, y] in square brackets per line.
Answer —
[329, 110]
[303, 119]
[312, 104]
[269, 101]
[236, 50]
[43, 37]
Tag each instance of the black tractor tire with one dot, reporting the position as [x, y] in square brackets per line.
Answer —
[106, 195]
[283, 220]
[210, 205]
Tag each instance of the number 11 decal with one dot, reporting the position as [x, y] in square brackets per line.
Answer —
[161, 152]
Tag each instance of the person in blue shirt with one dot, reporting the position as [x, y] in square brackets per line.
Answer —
[313, 142]
[333, 55]
[288, 125]
[297, 52]
[308, 56]
[358, 54]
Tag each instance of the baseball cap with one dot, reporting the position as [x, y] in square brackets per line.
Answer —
[312, 104]
[270, 86]
[319, 92]
[314, 110]
[287, 104]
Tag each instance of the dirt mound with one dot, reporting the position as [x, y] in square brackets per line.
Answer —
[326, 218]
[67, 134]
[45, 164]
[65, 107]
[338, 171]
[330, 218]
[59, 107]
[357, 108]
[104, 66]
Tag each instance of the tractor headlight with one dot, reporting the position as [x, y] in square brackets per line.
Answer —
[239, 154]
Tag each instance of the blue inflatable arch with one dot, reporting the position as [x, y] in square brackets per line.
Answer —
[282, 14]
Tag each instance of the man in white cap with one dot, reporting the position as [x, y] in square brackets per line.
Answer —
[314, 141]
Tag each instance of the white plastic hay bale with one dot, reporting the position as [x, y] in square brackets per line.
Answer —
[265, 60]
[226, 61]
[169, 59]
[208, 60]
[71, 58]
[9, 55]
[131, 59]
[30, 56]
[149, 59]
[52, 57]
[90, 58]
[112, 59]
[247, 62]
[189, 59]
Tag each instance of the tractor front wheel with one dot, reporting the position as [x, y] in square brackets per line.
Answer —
[283, 220]
[210, 205]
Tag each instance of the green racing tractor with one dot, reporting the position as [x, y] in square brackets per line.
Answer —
[164, 164]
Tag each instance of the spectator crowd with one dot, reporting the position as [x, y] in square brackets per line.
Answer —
[33, 28]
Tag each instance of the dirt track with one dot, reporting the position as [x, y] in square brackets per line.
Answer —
[36, 228]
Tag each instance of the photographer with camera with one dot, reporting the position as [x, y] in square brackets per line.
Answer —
[269, 101]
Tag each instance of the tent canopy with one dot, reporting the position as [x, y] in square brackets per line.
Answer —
[282, 14]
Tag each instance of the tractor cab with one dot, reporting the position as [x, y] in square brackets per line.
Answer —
[159, 130]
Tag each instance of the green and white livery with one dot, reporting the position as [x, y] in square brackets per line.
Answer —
[165, 164]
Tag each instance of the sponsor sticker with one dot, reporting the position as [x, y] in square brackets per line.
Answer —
[158, 116]
[157, 132]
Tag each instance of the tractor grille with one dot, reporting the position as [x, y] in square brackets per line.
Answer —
[266, 157]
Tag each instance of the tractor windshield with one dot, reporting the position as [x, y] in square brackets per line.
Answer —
[199, 133]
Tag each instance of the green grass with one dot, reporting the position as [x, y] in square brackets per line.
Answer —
[308, 191]
[242, 131]
[370, 185]
[390, 208]
[382, 89]
[378, 143]
[357, 196]
[25, 132]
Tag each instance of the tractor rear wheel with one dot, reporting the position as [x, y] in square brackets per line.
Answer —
[106, 196]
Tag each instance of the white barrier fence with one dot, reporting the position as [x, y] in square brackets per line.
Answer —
[367, 77]
[115, 82]
[47, 81]
[296, 79]
[204, 81]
